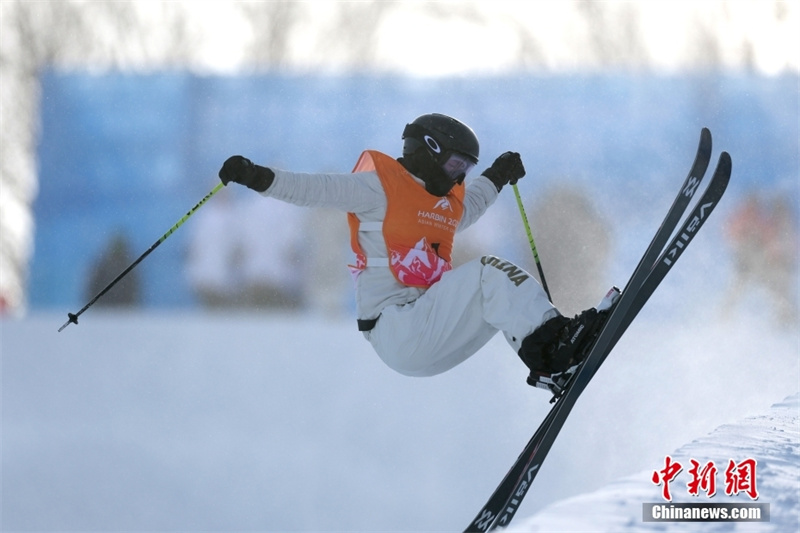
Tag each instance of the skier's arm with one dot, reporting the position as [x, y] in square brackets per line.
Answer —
[482, 191]
[355, 192]
[480, 194]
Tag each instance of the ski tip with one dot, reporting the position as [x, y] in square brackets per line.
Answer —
[705, 137]
[705, 140]
[724, 168]
[703, 156]
[725, 159]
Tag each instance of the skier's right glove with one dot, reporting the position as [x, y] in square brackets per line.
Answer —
[506, 169]
[241, 170]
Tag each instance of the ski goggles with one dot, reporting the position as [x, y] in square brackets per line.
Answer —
[456, 166]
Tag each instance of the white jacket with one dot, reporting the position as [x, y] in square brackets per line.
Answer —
[361, 193]
[423, 332]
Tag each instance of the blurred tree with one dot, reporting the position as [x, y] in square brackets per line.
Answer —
[38, 35]
[614, 35]
[114, 258]
[273, 24]
[318, 35]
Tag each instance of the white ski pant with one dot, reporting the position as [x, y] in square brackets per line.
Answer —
[458, 315]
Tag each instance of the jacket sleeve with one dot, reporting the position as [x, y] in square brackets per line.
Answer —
[480, 194]
[353, 192]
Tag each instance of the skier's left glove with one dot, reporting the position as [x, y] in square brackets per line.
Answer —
[506, 169]
[241, 170]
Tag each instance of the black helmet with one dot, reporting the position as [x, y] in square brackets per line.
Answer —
[440, 134]
[451, 144]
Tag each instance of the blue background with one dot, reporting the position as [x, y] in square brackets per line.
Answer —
[133, 153]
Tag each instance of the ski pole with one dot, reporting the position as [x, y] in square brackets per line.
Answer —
[531, 241]
[73, 317]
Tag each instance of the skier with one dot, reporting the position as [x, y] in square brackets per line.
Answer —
[422, 316]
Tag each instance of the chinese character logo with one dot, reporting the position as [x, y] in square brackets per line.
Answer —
[739, 477]
[664, 477]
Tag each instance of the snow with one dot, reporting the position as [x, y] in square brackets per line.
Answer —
[773, 437]
[244, 421]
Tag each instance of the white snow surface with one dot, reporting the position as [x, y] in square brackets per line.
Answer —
[199, 421]
[773, 437]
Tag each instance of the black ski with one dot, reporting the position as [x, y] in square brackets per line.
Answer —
[498, 500]
[706, 204]
[621, 317]
[504, 502]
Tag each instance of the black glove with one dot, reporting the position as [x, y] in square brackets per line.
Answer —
[241, 170]
[506, 169]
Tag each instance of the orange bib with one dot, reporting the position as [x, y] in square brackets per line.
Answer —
[418, 228]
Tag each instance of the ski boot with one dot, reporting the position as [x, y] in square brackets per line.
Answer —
[555, 350]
